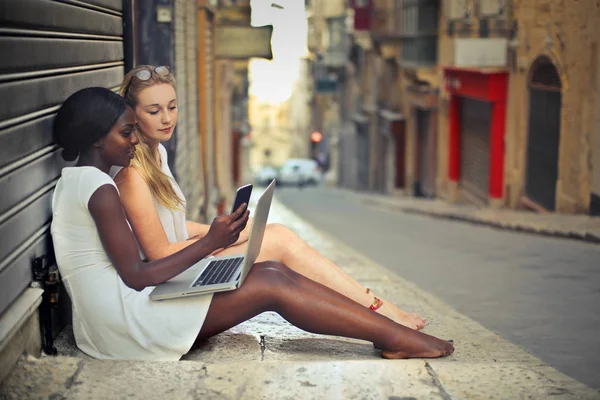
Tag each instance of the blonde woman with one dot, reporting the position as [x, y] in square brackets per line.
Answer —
[155, 205]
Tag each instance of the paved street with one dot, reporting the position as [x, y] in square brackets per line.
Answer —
[540, 293]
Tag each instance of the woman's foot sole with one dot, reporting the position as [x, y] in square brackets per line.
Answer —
[402, 355]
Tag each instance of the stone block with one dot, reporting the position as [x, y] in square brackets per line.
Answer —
[48, 377]
[503, 380]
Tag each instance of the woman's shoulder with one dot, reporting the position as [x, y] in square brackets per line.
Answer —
[84, 181]
[128, 177]
[92, 175]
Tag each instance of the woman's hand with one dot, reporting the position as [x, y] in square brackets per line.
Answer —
[225, 230]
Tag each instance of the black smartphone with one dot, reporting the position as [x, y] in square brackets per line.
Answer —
[242, 196]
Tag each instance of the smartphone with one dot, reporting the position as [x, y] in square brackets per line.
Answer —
[242, 196]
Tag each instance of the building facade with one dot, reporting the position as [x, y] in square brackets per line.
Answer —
[487, 102]
[518, 104]
[553, 106]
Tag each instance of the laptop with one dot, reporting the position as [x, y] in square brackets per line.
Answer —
[219, 274]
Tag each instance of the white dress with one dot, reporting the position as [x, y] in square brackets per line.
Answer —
[111, 320]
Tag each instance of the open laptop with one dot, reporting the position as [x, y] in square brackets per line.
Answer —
[219, 274]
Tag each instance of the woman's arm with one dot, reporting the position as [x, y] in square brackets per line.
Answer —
[143, 217]
[196, 230]
[118, 241]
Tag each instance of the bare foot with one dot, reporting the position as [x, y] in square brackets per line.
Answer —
[418, 345]
[410, 320]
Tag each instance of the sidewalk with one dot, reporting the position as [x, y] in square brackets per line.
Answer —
[579, 227]
[266, 358]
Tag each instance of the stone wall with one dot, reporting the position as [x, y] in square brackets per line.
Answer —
[187, 163]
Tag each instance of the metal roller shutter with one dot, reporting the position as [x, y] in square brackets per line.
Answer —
[475, 117]
[55, 48]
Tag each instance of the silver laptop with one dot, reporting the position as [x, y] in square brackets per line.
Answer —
[219, 274]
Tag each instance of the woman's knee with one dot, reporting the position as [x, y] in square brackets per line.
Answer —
[273, 273]
[281, 234]
[278, 230]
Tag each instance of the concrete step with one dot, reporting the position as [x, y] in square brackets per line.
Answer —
[74, 378]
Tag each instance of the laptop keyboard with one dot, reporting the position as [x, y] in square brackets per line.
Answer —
[219, 271]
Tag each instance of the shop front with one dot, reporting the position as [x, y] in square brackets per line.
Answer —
[477, 119]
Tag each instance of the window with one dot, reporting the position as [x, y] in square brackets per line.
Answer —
[493, 8]
[419, 32]
[458, 9]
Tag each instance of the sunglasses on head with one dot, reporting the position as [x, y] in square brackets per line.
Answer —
[146, 73]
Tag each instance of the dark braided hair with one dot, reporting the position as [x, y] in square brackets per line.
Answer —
[86, 117]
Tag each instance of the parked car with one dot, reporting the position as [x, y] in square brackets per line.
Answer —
[265, 175]
[299, 172]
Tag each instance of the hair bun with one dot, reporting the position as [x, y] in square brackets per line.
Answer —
[70, 154]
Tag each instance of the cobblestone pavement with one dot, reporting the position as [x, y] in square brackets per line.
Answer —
[268, 358]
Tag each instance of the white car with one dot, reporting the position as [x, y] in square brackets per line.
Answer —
[300, 171]
[265, 175]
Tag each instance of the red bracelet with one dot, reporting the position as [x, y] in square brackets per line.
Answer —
[376, 304]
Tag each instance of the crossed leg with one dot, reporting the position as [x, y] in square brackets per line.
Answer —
[271, 286]
[281, 244]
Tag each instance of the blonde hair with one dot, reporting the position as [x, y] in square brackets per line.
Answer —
[144, 161]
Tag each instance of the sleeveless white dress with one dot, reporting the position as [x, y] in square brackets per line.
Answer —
[111, 320]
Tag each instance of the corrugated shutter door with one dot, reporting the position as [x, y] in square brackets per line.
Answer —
[54, 49]
[475, 117]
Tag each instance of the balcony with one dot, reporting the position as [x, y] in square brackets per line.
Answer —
[382, 18]
[419, 32]
[386, 22]
[337, 43]
[313, 36]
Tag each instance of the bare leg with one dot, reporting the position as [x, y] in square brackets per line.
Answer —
[271, 286]
[281, 244]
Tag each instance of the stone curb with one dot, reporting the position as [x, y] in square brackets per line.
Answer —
[475, 220]
[503, 219]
